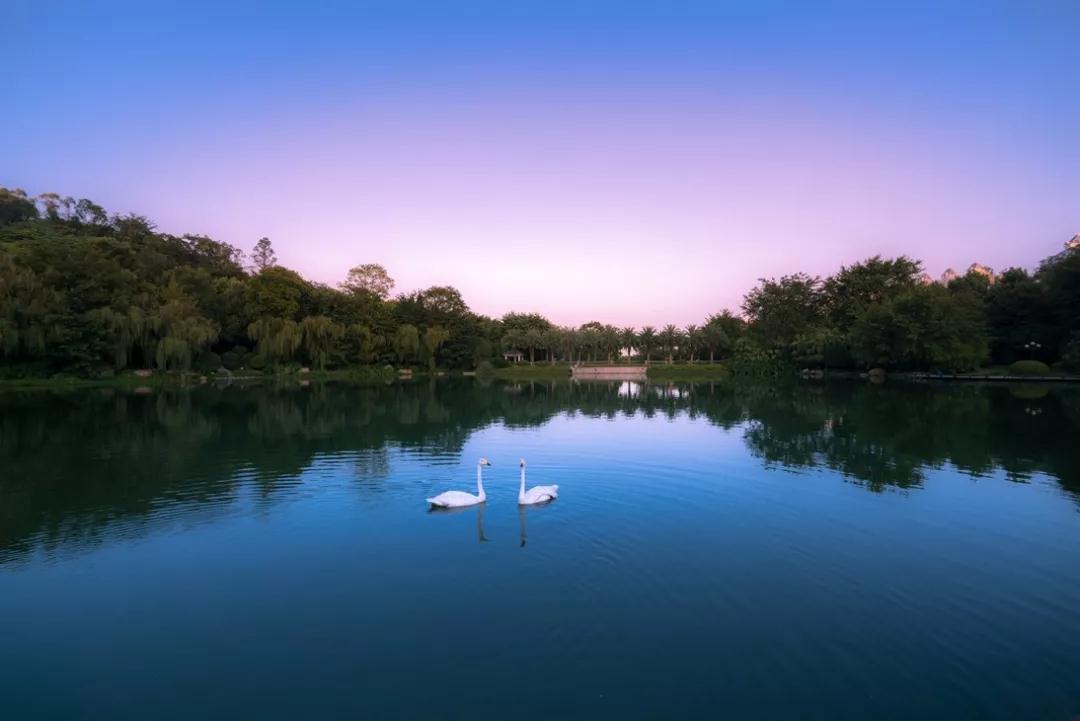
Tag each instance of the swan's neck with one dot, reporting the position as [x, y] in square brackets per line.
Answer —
[521, 492]
[480, 482]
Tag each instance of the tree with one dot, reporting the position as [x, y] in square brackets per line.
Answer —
[320, 338]
[609, 341]
[714, 337]
[779, 310]
[853, 289]
[15, 206]
[1018, 313]
[362, 344]
[569, 338]
[407, 343]
[277, 292]
[647, 342]
[628, 339]
[434, 337]
[1060, 274]
[669, 340]
[692, 337]
[184, 331]
[551, 340]
[262, 255]
[276, 339]
[534, 337]
[370, 278]
[927, 326]
[514, 339]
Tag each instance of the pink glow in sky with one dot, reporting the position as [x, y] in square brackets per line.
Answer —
[646, 174]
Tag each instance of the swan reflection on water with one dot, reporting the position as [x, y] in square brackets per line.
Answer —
[478, 509]
[523, 511]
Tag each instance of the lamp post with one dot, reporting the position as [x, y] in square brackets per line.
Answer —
[1031, 347]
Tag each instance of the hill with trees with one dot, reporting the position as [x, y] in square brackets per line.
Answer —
[87, 293]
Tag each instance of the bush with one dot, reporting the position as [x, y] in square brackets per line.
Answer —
[256, 362]
[485, 368]
[208, 362]
[1070, 354]
[1029, 368]
[231, 360]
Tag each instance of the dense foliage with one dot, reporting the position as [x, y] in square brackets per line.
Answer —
[88, 293]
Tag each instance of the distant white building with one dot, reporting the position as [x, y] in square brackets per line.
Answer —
[513, 356]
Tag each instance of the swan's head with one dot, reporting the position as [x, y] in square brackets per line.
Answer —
[522, 463]
[485, 462]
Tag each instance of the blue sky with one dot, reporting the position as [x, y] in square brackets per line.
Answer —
[656, 157]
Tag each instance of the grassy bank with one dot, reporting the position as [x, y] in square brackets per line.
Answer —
[688, 371]
[539, 371]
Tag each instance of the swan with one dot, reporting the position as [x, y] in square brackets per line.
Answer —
[536, 494]
[460, 499]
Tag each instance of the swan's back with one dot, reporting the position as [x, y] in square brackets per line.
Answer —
[539, 494]
[454, 499]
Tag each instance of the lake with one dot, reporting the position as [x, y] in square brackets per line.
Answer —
[795, 551]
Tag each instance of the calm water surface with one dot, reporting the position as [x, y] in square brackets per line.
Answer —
[805, 552]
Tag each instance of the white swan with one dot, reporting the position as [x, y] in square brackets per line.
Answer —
[460, 499]
[536, 494]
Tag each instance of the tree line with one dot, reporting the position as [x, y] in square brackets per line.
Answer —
[86, 292]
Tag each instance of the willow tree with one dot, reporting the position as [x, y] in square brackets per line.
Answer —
[434, 337]
[407, 343]
[120, 329]
[320, 338]
[30, 311]
[364, 343]
[276, 339]
[184, 331]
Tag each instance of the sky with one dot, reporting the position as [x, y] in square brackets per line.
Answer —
[629, 162]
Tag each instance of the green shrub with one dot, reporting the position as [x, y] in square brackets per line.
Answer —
[231, 360]
[1029, 368]
[256, 362]
[208, 362]
[1070, 354]
[485, 368]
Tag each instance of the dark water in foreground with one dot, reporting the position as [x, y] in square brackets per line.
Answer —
[811, 552]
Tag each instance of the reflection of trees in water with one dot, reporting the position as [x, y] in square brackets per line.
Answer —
[74, 462]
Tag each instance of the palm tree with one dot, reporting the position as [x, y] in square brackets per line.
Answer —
[589, 335]
[552, 339]
[628, 338]
[569, 338]
[669, 339]
[714, 338]
[534, 337]
[610, 338]
[646, 340]
[692, 338]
